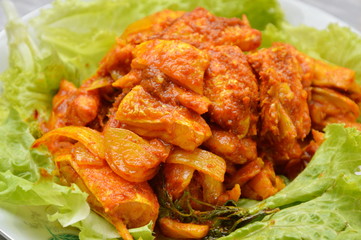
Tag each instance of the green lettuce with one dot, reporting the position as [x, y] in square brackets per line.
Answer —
[323, 202]
[33, 76]
[67, 42]
[16, 157]
[20, 181]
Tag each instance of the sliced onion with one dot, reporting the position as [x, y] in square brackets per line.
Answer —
[99, 83]
[132, 157]
[82, 156]
[174, 229]
[90, 138]
[177, 178]
[212, 189]
[201, 160]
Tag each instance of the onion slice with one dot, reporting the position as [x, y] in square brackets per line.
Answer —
[91, 139]
[201, 160]
[174, 229]
[132, 157]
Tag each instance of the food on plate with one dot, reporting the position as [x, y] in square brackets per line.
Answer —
[199, 185]
[188, 115]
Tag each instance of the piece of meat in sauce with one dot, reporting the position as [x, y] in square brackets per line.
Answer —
[232, 88]
[284, 115]
[333, 92]
[72, 106]
[228, 146]
[329, 106]
[147, 116]
[202, 29]
[181, 62]
[159, 86]
[125, 204]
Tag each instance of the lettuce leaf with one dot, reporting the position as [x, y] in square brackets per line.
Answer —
[68, 204]
[33, 76]
[20, 181]
[323, 202]
[16, 156]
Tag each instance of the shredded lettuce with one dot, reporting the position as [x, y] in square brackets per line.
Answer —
[69, 39]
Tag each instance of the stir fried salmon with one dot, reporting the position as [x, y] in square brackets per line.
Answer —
[185, 116]
[180, 61]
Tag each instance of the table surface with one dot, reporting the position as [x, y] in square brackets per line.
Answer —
[346, 10]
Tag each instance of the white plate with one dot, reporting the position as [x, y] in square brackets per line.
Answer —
[26, 223]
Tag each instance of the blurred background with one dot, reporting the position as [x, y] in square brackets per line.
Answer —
[347, 10]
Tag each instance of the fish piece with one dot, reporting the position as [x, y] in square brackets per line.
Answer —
[322, 74]
[285, 115]
[160, 86]
[264, 184]
[232, 88]
[147, 116]
[181, 62]
[169, 92]
[227, 145]
[72, 106]
[332, 76]
[202, 29]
